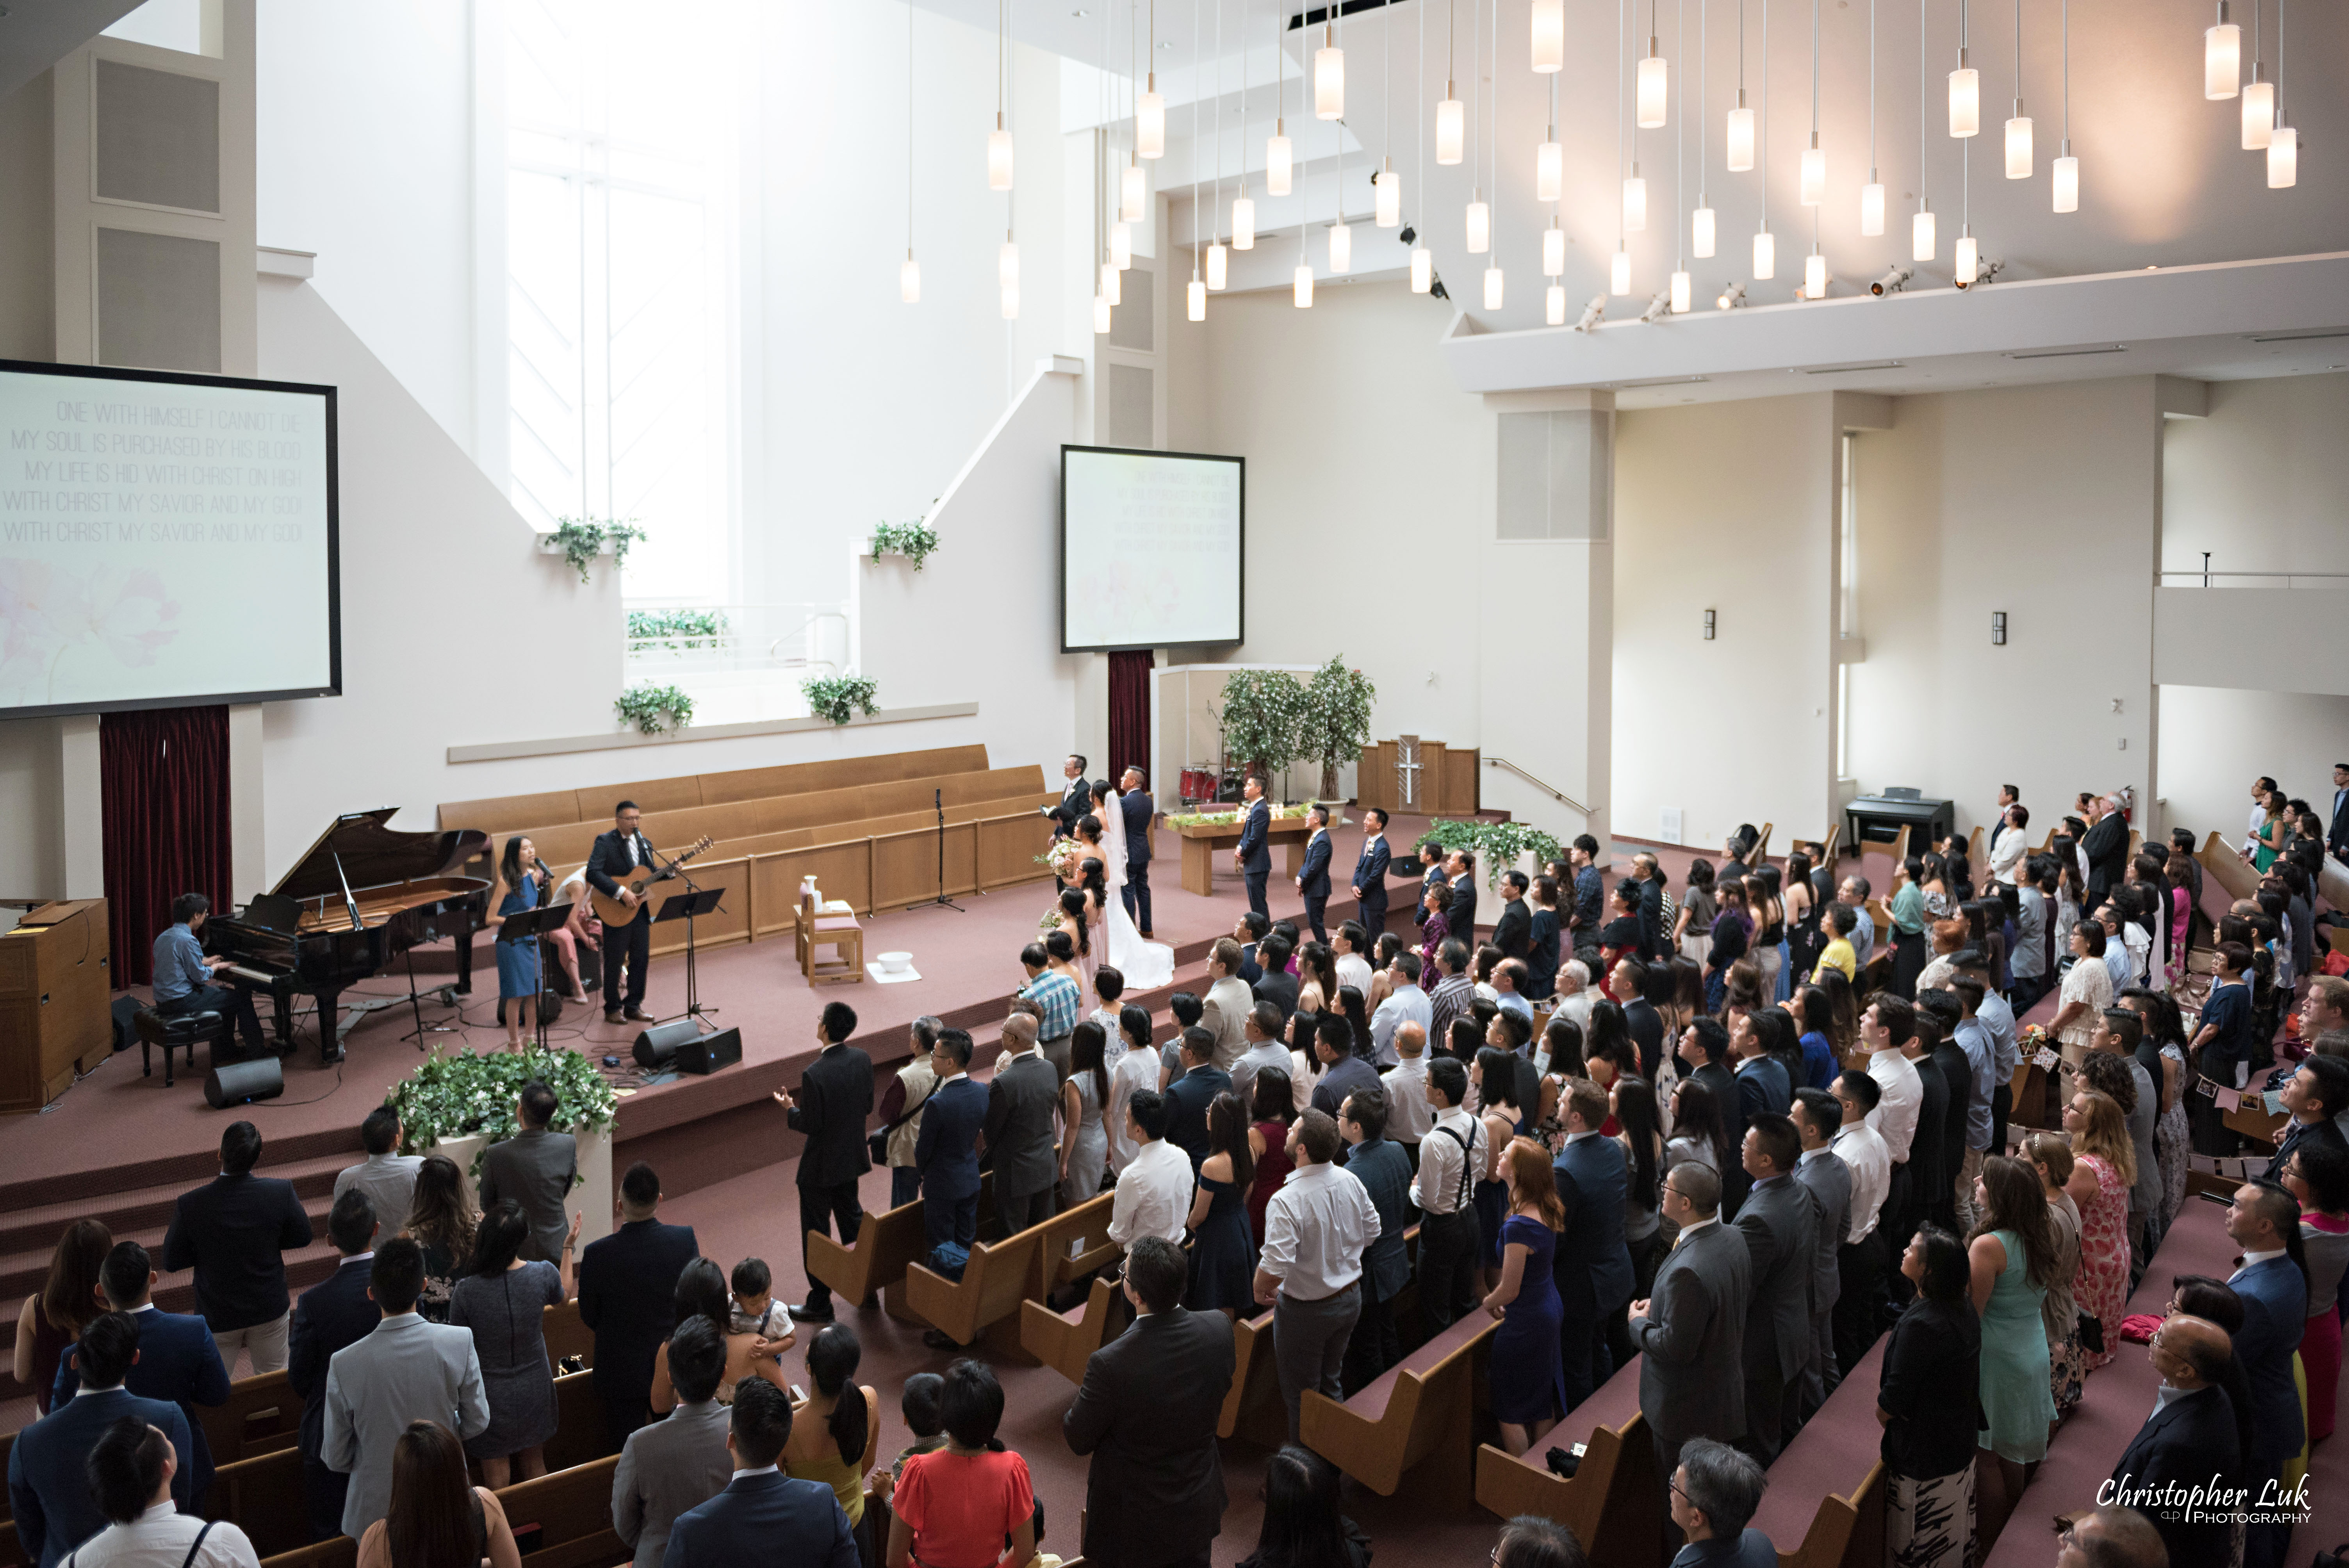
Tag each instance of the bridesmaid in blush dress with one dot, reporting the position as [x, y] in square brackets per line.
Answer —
[1528, 1392]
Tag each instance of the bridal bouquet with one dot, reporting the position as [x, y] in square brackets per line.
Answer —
[1063, 856]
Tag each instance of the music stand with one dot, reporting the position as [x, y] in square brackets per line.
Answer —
[529, 925]
[685, 906]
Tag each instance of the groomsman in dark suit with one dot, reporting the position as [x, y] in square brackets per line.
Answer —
[1431, 872]
[1512, 933]
[1460, 868]
[1076, 800]
[615, 854]
[1371, 875]
[947, 1153]
[333, 1314]
[1313, 879]
[178, 1361]
[834, 1101]
[1253, 854]
[627, 1285]
[2336, 836]
[1134, 799]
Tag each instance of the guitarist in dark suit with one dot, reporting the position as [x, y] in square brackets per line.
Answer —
[615, 854]
[834, 1100]
[1134, 799]
[1253, 854]
[1313, 879]
[1371, 875]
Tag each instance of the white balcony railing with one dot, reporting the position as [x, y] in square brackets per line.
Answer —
[669, 641]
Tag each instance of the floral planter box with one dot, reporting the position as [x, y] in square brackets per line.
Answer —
[592, 1194]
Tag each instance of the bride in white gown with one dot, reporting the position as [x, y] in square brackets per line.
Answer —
[1146, 965]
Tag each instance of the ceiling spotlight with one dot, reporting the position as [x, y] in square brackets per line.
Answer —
[1730, 298]
[1986, 269]
[1436, 290]
[1894, 278]
[1592, 313]
[1658, 307]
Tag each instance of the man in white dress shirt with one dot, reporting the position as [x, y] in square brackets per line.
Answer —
[1409, 1115]
[1309, 1270]
[1859, 1263]
[1452, 1152]
[1154, 1191]
[131, 1470]
[1885, 1031]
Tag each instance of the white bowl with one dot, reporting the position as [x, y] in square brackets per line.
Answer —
[895, 962]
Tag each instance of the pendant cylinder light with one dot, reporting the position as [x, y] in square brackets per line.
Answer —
[2018, 144]
[1871, 207]
[1121, 246]
[2223, 57]
[1479, 228]
[1277, 161]
[1150, 121]
[1196, 297]
[2259, 111]
[1218, 265]
[1549, 168]
[2284, 157]
[1815, 276]
[1450, 127]
[1739, 140]
[1549, 35]
[998, 156]
[1653, 88]
[1491, 288]
[1554, 306]
[1113, 283]
[1635, 203]
[1011, 304]
[1342, 248]
[1680, 293]
[1765, 256]
[1965, 100]
[1423, 269]
[1100, 314]
[1618, 273]
[1969, 264]
[1329, 79]
[1814, 173]
[2067, 181]
[1006, 265]
[1553, 250]
[1132, 193]
[1701, 234]
[1388, 203]
[1243, 223]
[909, 280]
[1302, 285]
[1921, 241]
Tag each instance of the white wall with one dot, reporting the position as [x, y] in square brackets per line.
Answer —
[2261, 482]
[2219, 740]
[27, 291]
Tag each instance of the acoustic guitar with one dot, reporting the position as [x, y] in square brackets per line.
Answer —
[614, 914]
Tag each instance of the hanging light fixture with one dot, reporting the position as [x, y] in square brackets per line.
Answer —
[1341, 247]
[1680, 292]
[1301, 284]
[1619, 272]
[1451, 115]
[1133, 193]
[1217, 257]
[1478, 218]
[1150, 108]
[1479, 225]
[1969, 256]
[1196, 294]
[2018, 125]
[1422, 261]
[1871, 195]
[2283, 141]
[1491, 288]
[1386, 186]
[1871, 207]
[1553, 250]
[1701, 236]
[1276, 150]
[1243, 209]
[1654, 78]
[1920, 228]
[1554, 306]
[1549, 35]
[1218, 264]
[1007, 263]
[1700, 221]
[999, 141]
[1549, 158]
[1737, 141]
[2223, 57]
[1243, 220]
[1814, 187]
[1815, 273]
[1765, 253]
[909, 279]
[1921, 243]
[1423, 269]
[1113, 283]
[2259, 96]
[1635, 202]
[2067, 167]
[1965, 88]
[1765, 247]
[1100, 314]
[1194, 297]
[1121, 246]
[1329, 73]
[1387, 203]
[909, 273]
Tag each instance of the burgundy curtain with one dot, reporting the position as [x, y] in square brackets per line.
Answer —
[1129, 712]
[163, 807]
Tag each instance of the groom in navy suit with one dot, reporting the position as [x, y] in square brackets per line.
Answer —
[1253, 854]
[1134, 801]
[1313, 878]
[1371, 875]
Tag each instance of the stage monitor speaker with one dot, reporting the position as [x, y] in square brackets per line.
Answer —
[241, 1083]
[707, 1053]
[657, 1047]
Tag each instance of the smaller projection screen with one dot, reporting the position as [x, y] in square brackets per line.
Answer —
[1150, 549]
[165, 540]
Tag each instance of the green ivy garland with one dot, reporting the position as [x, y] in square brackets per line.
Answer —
[461, 1095]
[677, 630]
[838, 697]
[653, 708]
[582, 538]
[915, 540]
[1497, 846]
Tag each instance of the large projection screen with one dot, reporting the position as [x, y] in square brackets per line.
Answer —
[1150, 549]
[165, 540]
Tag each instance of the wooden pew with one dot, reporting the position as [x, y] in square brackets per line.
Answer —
[341, 1552]
[999, 1275]
[263, 1497]
[1812, 1523]
[1252, 1410]
[1419, 1417]
[2254, 1121]
[1613, 1503]
[1086, 1229]
[885, 1244]
[564, 1519]
[262, 1415]
[1065, 1341]
[567, 1334]
[579, 1434]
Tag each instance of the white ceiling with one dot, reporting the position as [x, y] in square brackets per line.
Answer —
[2163, 180]
[36, 34]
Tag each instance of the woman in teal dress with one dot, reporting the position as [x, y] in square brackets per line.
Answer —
[1223, 1253]
[2011, 1253]
[521, 887]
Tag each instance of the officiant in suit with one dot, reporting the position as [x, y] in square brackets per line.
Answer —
[615, 854]
[1076, 800]
[1371, 873]
[1253, 854]
[2189, 1438]
[1313, 879]
[1134, 801]
[2107, 848]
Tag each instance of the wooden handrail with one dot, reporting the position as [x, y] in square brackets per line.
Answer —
[1552, 791]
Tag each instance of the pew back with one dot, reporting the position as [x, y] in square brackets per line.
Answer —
[1614, 1500]
[1422, 1408]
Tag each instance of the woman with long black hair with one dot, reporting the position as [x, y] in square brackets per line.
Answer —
[438, 1519]
[503, 1300]
[829, 1433]
[1302, 1525]
[520, 888]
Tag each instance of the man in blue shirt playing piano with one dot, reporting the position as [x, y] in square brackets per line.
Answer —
[183, 975]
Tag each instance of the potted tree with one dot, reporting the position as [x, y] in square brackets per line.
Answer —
[1261, 718]
[1337, 719]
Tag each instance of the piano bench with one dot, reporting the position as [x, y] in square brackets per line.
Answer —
[154, 1029]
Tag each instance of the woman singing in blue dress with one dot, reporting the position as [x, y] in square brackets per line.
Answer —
[520, 888]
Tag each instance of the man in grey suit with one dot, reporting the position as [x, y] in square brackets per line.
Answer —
[535, 1168]
[1020, 1149]
[407, 1370]
[1225, 1012]
[1822, 1171]
[682, 1462]
[1690, 1332]
[1781, 1226]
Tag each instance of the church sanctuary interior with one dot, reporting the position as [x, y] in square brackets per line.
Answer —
[1174, 783]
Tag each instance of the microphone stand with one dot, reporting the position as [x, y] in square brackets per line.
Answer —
[938, 804]
[693, 1007]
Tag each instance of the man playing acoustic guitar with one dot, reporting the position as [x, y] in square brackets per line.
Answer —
[616, 853]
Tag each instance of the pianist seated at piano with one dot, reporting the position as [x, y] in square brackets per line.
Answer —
[520, 887]
[183, 976]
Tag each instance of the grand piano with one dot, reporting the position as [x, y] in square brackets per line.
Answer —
[1878, 818]
[359, 898]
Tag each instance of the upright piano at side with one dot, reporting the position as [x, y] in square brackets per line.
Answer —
[361, 896]
[57, 979]
[1878, 818]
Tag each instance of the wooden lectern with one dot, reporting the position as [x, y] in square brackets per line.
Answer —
[56, 984]
[1420, 778]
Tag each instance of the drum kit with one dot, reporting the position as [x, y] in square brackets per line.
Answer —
[1205, 784]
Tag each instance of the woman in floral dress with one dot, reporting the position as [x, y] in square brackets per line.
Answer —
[2068, 1359]
[2104, 1168]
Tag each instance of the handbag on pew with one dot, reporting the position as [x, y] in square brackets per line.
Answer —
[876, 1143]
[2337, 1558]
[2092, 1332]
